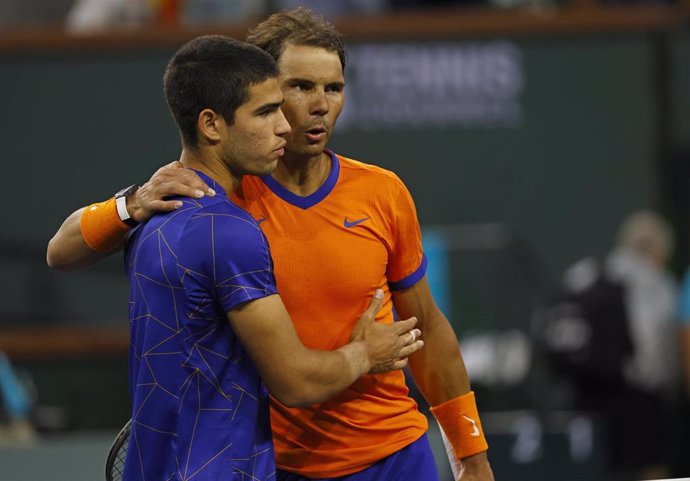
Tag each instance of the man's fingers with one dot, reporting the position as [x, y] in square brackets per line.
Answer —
[392, 365]
[375, 304]
[182, 189]
[194, 181]
[411, 348]
[171, 188]
[173, 175]
[398, 364]
[405, 326]
[165, 205]
[413, 335]
[175, 164]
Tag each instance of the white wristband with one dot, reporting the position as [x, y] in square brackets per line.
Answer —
[121, 204]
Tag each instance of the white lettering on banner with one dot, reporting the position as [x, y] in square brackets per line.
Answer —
[471, 85]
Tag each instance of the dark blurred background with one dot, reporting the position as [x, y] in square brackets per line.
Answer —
[526, 130]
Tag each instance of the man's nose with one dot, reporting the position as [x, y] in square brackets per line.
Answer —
[319, 103]
[282, 126]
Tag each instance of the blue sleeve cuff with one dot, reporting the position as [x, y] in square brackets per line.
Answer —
[232, 301]
[410, 280]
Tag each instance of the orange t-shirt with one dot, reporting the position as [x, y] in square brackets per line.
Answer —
[358, 232]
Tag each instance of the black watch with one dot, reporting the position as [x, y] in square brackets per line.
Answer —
[121, 204]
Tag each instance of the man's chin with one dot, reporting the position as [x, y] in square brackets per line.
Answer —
[308, 150]
[270, 167]
[263, 170]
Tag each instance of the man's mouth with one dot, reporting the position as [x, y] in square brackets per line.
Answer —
[280, 150]
[315, 134]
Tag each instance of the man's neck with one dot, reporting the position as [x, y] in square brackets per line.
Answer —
[214, 168]
[303, 175]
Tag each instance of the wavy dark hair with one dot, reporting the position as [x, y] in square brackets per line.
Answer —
[297, 27]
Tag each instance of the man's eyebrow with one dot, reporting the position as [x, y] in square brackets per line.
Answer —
[299, 80]
[268, 107]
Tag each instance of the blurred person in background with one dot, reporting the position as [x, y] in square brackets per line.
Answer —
[15, 408]
[330, 218]
[91, 16]
[645, 244]
[333, 8]
[426, 4]
[623, 362]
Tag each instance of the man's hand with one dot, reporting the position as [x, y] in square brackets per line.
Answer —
[476, 468]
[387, 345]
[168, 181]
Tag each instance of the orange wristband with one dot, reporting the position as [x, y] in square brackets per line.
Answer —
[101, 227]
[460, 421]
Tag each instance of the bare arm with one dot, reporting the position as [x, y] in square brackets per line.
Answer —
[438, 370]
[296, 375]
[67, 250]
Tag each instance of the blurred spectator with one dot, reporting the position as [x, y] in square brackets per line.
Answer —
[199, 12]
[15, 407]
[88, 16]
[333, 8]
[646, 243]
[613, 336]
[420, 4]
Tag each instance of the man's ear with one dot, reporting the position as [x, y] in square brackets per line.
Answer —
[209, 125]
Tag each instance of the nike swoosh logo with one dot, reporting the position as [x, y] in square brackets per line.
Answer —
[349, 224]
[475, 432]
[260, 219]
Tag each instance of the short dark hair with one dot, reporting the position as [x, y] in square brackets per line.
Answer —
[297, 27]
[212, 72]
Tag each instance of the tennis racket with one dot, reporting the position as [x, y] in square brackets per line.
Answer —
[115, 464]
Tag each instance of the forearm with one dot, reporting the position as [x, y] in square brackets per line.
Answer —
[68, 251]
[438, 369]
[296, 375]
[320, 375]
[442, 378]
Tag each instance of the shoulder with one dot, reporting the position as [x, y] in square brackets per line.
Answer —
[358, 168]
[223, 235]
[382, 178]
[223, 219]
[224, 211]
